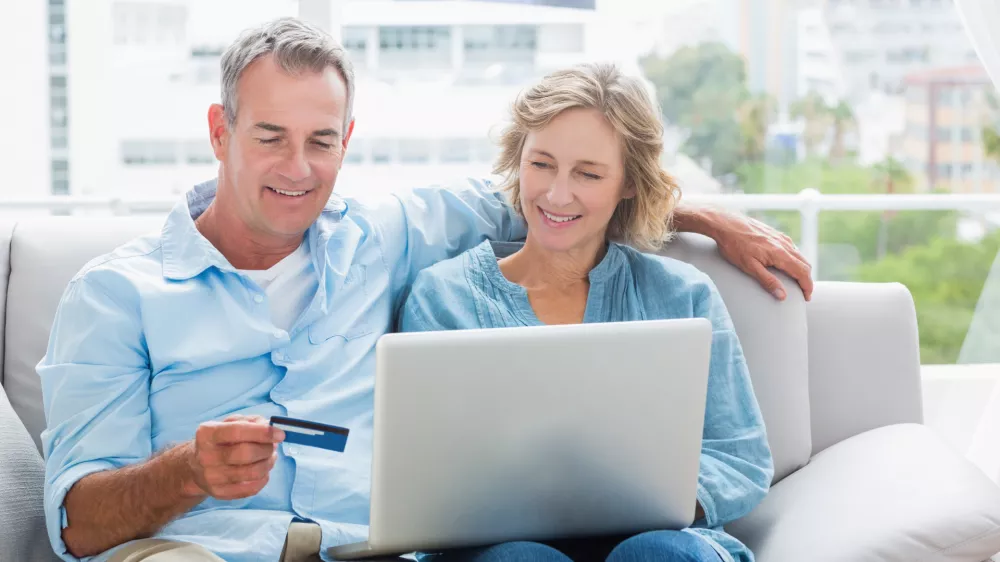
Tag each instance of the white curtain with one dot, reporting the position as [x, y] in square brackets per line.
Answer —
[982, 22]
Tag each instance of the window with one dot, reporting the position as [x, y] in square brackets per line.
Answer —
[424, 69]
[456, 151]
[199, 152]
[355, 151]
[149, 152]
[414, 151]
[485, 150]
[382, 151]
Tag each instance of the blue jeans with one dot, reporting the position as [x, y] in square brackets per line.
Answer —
[658, 546]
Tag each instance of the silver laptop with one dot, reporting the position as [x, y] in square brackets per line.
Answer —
[487, 436]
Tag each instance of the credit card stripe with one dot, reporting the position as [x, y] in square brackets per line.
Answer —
[302, 430]
[308, 425]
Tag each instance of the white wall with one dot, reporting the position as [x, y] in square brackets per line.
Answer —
[24, 100]
[92, 143]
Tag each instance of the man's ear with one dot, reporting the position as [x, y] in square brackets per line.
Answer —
[347, 139]
[218, 131]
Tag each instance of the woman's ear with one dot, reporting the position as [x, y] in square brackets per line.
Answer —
[629, 192]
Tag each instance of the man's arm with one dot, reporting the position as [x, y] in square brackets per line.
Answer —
[101, 486]
[109, 508]
[750, 245]
[430, 224]
[227, 461]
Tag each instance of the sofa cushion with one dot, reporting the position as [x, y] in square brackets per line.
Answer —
[22, 523]
[775, 341]
[893, 494]
[45, 254]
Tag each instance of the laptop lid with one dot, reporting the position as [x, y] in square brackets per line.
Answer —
[485, 436]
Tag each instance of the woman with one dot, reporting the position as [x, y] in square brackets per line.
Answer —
[581, 161]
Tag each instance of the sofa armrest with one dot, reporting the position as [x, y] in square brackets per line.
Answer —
[23, 536]
[864, 360]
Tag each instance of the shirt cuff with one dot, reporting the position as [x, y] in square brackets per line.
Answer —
[708, 506]
[56, 518]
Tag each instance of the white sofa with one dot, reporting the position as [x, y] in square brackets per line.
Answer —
[858, 478]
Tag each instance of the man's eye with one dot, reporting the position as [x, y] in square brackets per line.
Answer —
[268, 141]
[323, 145]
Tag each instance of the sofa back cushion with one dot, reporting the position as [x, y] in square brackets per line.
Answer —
[775, 341]
[45, 254]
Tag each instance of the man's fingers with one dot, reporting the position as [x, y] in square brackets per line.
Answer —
[239, 490]
[767, 280]
[224, 475]
[222, 433]
[245, 453]
[796, 267]
[249, 472]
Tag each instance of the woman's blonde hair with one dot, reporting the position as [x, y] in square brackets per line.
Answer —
[644, 220]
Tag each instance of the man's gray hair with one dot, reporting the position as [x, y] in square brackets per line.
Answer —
[297, 47]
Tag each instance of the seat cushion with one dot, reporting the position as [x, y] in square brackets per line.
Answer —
[775, 341]
[45, 254]
[893, 494]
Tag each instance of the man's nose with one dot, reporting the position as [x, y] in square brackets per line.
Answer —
[294, 166]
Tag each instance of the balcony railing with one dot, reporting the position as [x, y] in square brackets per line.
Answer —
[809, 203]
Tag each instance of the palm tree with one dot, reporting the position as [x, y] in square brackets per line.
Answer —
[991, 143]
[891, 176]
[843, 122]
[755, 116]
[813, 110]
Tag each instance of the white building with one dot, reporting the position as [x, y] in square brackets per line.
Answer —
[879, 41]
[818, 61]
[435, 78]
[25, 153]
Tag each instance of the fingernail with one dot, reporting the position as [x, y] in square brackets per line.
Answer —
[278, 434]
[779, 294]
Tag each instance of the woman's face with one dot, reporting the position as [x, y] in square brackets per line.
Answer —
[571, 180]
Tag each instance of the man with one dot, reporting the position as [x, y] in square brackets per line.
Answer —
[263, 295]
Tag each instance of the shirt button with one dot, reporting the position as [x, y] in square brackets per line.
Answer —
[292, 450]
[258, 299]
[279, 334]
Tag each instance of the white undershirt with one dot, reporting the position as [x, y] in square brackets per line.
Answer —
[289, 284]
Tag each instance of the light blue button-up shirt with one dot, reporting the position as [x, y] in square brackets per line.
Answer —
[163, 334]
[470, 292]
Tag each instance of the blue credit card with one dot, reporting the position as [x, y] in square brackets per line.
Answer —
[312, 434]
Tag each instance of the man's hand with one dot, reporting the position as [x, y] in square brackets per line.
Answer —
[750, 245]
[232, 459]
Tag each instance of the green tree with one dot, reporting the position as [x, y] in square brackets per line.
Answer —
[755, 116]
[812, 109]
[946, 277]
[895, 178]
[843, 122]
[701, 89]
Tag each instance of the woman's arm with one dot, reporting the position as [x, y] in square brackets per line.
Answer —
[736, 464]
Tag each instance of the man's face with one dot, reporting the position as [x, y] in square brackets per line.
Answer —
[280, 160]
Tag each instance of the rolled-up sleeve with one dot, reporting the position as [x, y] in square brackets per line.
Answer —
[435, 223]
[736, 464]
[95, 389]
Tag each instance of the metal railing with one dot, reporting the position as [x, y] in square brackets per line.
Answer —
[809, 203]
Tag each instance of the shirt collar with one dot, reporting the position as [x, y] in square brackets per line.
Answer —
[186, 253]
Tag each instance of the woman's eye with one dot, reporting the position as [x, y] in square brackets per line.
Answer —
[540, 165]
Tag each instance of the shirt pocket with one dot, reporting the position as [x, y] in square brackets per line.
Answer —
[350, 312]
